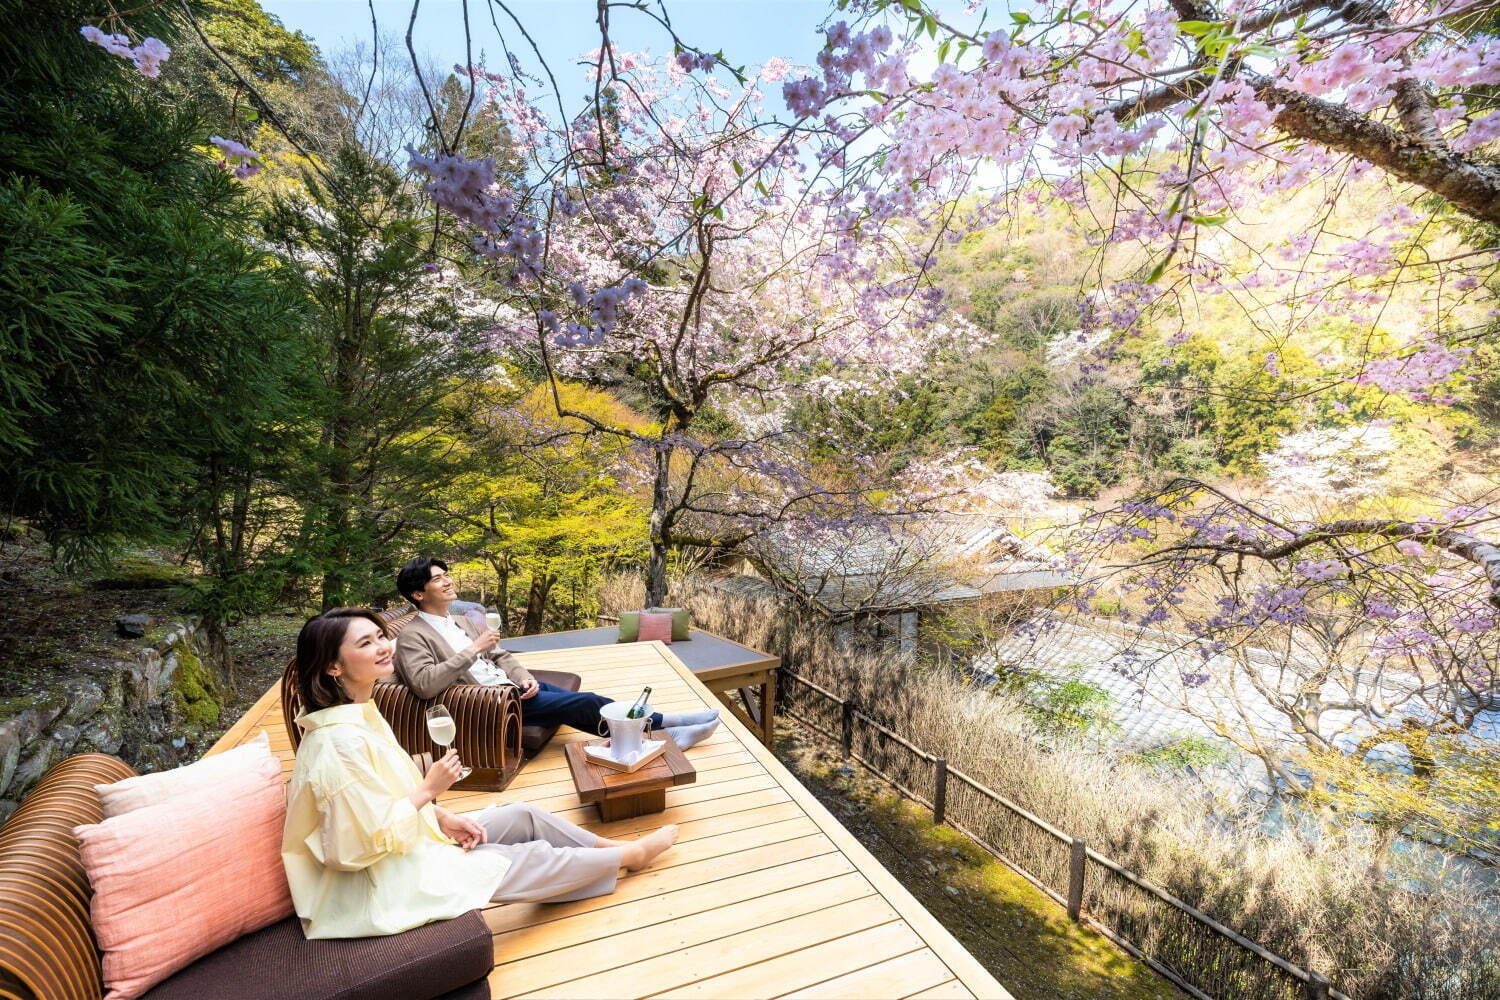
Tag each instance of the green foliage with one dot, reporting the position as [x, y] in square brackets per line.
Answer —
[130, 298]
[1065, 707]
[1256, 407]
[542, 511]
[392, 363]
[1188, 750]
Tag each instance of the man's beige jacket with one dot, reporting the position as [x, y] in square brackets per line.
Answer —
[429, 666]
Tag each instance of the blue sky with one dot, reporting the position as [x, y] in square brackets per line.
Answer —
[748, 31]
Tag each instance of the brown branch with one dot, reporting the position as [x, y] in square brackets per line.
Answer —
[1471, 186]
[1461, 544]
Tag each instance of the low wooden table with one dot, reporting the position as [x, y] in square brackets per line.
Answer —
[621, 795]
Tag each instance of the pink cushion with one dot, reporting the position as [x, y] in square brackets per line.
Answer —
[149, 789]
[656, 626]
[177, 880]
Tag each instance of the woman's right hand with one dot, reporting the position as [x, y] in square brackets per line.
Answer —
[442, 774]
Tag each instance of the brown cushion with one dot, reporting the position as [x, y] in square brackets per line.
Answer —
[477, 990]
[278, 963]
[533, 738]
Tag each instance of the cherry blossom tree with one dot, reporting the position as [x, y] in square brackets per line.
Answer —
[1361, 648]
[665, 250]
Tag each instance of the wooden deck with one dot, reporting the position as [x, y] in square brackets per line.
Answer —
[764, 895]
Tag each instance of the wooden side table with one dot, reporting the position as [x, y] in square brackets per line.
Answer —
[622, 796]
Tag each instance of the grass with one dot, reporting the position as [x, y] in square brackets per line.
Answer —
[1020, 935]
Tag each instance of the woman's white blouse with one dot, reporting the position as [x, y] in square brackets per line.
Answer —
[360, 859]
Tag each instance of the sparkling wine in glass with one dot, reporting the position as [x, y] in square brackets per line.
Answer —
[441, 728]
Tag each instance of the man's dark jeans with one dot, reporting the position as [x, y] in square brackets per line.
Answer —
[554, 706]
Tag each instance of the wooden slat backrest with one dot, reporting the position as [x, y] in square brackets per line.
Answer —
[46, 943]
[291, 701]
[488, 718]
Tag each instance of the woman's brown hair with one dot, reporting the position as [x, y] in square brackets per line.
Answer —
[318, 647]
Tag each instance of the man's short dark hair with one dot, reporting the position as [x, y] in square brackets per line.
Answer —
[415, 574]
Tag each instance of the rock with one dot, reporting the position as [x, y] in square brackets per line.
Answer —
[10, 755]
[87, 698]
[133, 626]
[6, 808]
[951, 890]
[33, 767]
[169, 664]
[66, 737]
[101, 737]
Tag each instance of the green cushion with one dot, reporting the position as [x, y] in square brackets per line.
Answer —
[630, 624]
[680, 622]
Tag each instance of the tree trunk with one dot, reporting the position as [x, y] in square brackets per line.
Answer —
[536, 603]
[661, 527]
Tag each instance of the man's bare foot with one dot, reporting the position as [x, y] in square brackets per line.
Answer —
[637, 854]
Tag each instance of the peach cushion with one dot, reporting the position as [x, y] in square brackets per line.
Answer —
[656, 626]
[149, 789]
[182, 878]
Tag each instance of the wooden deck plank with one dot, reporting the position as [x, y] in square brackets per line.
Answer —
[811, 965]
[951, 990]
[916, 969]
[656, 882]
[535, 939]
[637, 947]
[681, 967]
[765, 893]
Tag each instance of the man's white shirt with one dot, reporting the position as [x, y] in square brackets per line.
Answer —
[483, 670]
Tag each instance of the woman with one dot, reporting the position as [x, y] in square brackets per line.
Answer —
[367, 851]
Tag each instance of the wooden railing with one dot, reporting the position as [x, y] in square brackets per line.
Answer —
[1196, 952]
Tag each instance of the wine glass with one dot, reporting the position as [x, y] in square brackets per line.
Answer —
[443, 730]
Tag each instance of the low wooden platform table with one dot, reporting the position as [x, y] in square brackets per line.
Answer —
[626, 795]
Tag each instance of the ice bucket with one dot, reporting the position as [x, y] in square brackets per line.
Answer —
[625, 735]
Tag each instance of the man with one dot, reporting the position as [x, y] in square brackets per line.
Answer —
[435, 651]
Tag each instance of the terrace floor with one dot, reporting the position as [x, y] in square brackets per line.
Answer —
[764, 895]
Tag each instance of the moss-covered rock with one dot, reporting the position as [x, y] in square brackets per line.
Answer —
[195, 695]
[141, 572]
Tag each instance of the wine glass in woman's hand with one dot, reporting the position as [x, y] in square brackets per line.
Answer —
[444, 731]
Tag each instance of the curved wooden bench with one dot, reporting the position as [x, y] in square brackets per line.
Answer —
[48, 952]
[46, 942]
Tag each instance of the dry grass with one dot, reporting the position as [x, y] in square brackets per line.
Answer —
[1312, 900]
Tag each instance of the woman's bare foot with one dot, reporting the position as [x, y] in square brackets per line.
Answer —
[637, 854]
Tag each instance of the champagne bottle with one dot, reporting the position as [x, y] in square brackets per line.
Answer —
[638, 707]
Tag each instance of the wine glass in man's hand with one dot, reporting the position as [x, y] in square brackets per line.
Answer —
[441, 728]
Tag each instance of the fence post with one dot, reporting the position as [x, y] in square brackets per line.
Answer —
[846, 738]
[1076, 861]
[1317, 986]
[939, 791]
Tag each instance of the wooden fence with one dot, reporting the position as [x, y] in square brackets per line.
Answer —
[1202, 956]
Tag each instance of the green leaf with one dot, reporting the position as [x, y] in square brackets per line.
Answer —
[1209, 220]
[1020, 17]
[942, 52]
[739, 171]
[931, 25]
[1158, 271]
[718, 211]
